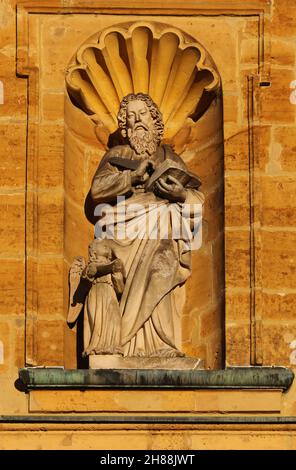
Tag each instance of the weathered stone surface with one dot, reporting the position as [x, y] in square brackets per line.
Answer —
[282, 52]
[213, 214]
[211, 32]
[15, 97]
[250, 28]
[70, 349]
[237, 305]
[138, 401]
[12, 155]
[11, 398]
[52, 106]
[237, 263]
[247, 74]
[249, 51]
[230, 109]
[257, 440]
[206, 132]
[12, 274]
[67, 31]
[19, 332]
[283, 19]
[279, 259]
[210, 321]
[50, 342]
[219, 268]
[208, 164]
[75, 163]
[190, 328]
[6, 352]
[279, 305]
[50, 283]
[285, 146]
[237, 343]
[93, 157]
[190, 349]
[50, 156]
[279, 93]
[216, 352]
[277, 340]
[261, 436]
[274, 153]
[236, 149]
[50, 222]
[81, 125]
[237, 211]
[262, 146]
[52, 56]
[176, 440]
[278, 199]
[12, 236]
[199, 293]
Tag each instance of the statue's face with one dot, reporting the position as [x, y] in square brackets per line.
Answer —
[138, 117]
[100, 252]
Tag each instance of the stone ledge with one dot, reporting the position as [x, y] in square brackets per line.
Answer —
[149, 438]
[153, 420]
[279, 378]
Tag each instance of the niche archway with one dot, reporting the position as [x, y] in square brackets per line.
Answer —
[182, 79]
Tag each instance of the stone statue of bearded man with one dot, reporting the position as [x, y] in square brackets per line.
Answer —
[155, 266]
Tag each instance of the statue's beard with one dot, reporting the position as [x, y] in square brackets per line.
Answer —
[142, 142]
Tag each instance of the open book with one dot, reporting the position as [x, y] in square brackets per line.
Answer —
[167, 168]
[177, 170]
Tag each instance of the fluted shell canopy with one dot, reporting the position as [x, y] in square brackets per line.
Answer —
[142, 57]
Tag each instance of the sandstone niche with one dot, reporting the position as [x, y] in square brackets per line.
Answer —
[171, 67]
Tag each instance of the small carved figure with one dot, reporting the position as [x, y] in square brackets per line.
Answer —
[98, 285]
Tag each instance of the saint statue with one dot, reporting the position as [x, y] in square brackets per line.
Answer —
[134, 271]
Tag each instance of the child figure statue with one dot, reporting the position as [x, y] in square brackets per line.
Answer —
[104, 276]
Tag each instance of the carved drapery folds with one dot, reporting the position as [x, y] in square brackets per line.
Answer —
[151, 58]
[182, 79]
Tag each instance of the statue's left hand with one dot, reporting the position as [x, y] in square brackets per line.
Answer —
[91, 269]
[170, 189]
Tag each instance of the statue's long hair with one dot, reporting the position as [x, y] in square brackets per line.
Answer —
[153, 108]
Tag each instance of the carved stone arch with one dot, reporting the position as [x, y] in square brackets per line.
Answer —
[181, 77]
[151, 58]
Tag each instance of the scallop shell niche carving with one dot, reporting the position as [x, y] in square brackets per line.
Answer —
[153, 58]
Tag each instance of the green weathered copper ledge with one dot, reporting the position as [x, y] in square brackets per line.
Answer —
[230, 378]
[147, 419]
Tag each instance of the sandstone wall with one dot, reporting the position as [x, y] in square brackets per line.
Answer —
[259, 180]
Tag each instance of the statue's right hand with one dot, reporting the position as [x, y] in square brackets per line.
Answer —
[141, 174]
[91, 270]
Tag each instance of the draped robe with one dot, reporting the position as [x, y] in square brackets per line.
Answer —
[154, 266]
